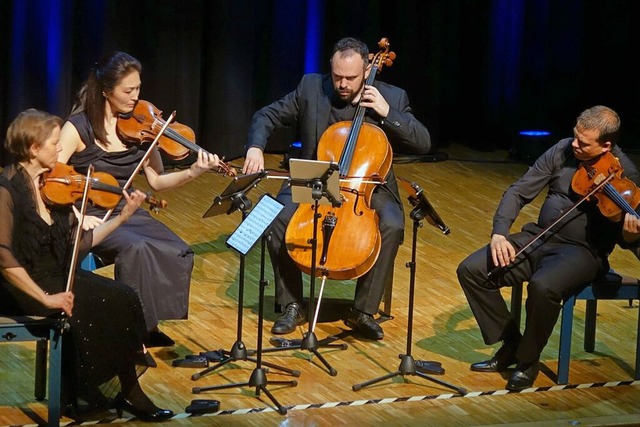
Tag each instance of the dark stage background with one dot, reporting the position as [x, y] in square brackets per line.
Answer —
[477, 72]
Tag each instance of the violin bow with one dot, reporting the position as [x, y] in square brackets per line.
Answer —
[145, 157]
[550, 226]
[76, 241]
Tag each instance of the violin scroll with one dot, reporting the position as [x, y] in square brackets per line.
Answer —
[226, 169]
[155, 204]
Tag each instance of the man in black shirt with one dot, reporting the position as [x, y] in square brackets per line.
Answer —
[571, 253]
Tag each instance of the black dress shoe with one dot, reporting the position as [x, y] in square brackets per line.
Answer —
[524, 376]
[158, 339]
[365, 324]
[156, 414]
[291, 318]
[504, 357]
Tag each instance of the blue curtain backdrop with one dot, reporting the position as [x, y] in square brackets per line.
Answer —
[476, 72]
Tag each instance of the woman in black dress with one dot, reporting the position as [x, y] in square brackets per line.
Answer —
[148, 256]
[103, 351]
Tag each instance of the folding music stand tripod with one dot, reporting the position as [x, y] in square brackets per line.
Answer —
[409, 366]
[234, 198]
[316, 184]
[242, 240]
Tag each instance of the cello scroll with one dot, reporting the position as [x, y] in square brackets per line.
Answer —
[383, 57]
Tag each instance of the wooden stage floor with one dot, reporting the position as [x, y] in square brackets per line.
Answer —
[464, 190]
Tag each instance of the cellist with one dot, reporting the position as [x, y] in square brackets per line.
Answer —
[318, 102]
[571, 253]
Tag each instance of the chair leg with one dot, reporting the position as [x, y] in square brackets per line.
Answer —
[55, 377]
[590, 326]
[516, 303]
[637, 376]
[566, 330]
[41, 369]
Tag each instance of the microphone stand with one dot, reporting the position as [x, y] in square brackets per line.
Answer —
[409, 366]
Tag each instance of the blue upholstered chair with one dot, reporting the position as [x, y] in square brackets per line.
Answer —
[45, 332]
[611, 287]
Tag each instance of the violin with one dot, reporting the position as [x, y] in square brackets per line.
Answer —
[64, 186]
[145, 122]
[618, 195]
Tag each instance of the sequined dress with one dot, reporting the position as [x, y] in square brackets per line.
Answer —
[102, 349]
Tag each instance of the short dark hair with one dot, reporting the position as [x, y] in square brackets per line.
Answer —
[350, 44]
[604, 120]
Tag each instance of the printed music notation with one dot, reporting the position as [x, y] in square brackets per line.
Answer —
[254, 225]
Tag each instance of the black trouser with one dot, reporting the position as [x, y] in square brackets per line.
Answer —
[552, 270]
[370, 286]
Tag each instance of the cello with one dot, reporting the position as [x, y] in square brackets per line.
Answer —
[362, 152]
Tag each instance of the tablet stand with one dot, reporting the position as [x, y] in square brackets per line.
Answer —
[234, 198]
[409, 366]
[258, 377]
[318, 190]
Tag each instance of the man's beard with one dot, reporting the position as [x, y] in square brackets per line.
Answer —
[351, 96]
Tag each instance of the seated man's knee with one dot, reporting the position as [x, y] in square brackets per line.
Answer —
[543, 290]
[391, 230]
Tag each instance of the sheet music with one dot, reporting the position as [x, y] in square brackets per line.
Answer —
[255, 224]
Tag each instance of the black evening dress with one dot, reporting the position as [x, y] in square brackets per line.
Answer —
[102, 348]
[148, 256]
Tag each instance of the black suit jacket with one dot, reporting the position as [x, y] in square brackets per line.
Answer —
[309, 109]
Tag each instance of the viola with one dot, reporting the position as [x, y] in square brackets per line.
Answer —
[145, 122]
[351, 239]
[64, 186]
[618, 194]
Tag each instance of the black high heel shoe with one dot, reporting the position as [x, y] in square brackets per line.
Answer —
[122, 404]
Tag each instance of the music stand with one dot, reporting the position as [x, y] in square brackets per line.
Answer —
[409, 366]
[233, 198]
[242, 240]
[314, 182]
